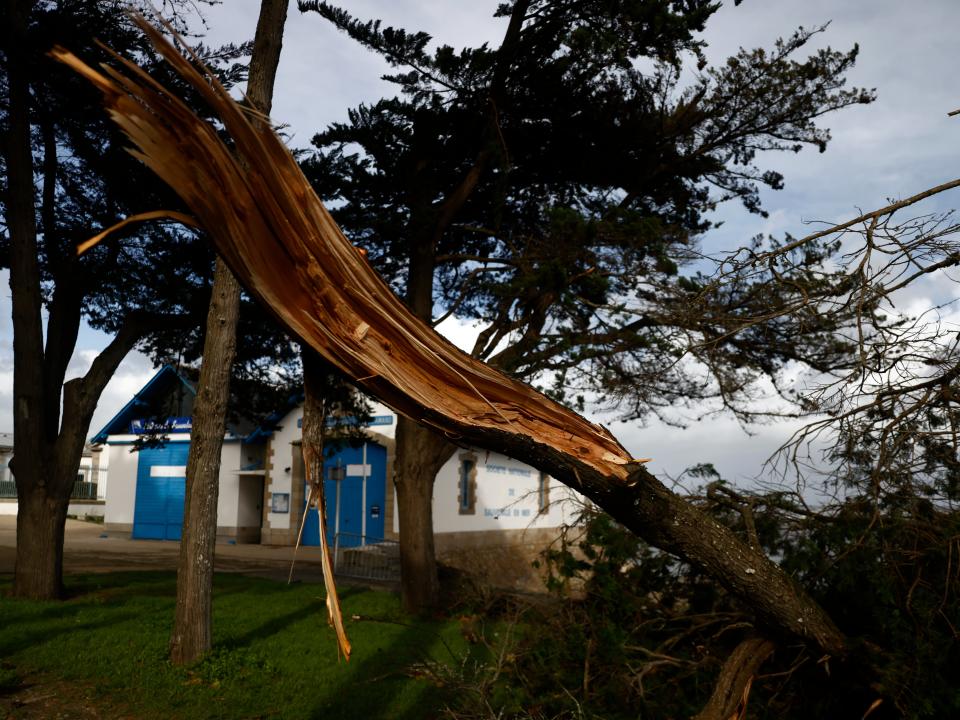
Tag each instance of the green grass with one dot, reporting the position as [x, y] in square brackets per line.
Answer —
[274, 656]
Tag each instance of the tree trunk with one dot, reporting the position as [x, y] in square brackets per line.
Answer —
[48, 442]
[287, 250]
[192, 633]
[41, 516]
[420, 455]
[192, 627]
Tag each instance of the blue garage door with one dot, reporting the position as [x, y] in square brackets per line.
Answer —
[161, 485]
[362, 491]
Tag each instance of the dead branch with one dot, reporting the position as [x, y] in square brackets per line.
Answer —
[732, 690]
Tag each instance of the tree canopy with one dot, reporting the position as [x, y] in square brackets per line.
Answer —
[66, 175]
[555, 188]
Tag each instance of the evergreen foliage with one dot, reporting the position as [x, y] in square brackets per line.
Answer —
[559, 185]
[633, 632]
[158, 275]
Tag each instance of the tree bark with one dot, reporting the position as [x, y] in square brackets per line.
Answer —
[41, 517]
[729, 697]
[24, 263]
[275, 233]
[421, 453]
[43, 495]
[48, 442]
[311, 432]
[192, 626]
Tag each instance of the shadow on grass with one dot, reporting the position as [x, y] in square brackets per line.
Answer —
[280, 623]
[273, 649]
[381, 685]
[11, 646]
[120, 586]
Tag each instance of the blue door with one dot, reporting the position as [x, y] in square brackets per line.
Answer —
[362, 493]
[161, 487]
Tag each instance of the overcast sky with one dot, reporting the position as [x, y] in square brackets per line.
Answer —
[900, 145]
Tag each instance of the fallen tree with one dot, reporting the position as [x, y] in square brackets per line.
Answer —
[279, 240]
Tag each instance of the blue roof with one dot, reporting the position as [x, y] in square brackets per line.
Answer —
[159, 383]
[266, 429]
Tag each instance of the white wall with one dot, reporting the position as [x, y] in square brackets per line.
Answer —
[82, 509]
[507, 490]
[5, 457]
[507, 497]
[7, 506]
[228, 502]
[281, 475]
[387, 430]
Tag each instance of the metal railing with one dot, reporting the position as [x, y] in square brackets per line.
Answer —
[366, 558]
[89, 485]
[84, 491]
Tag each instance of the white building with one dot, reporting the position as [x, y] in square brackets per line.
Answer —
[480, 498]
[89, 488]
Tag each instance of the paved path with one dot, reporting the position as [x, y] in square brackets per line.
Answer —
[87, 548]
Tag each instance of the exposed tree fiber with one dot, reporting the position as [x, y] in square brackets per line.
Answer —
[314, 417]
[275, 234]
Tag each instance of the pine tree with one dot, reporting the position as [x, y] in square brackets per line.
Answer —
[554, 187]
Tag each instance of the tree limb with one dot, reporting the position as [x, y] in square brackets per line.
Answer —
[729, 697]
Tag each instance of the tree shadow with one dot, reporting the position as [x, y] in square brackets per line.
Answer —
[10, 646]
[387, 665]
[277, 624]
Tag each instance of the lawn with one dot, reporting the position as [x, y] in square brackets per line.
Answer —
[274, 656]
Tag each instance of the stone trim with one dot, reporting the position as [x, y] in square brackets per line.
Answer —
[267, 484]
[543, 493]
[390, 491]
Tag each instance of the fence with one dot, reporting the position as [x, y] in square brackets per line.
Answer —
[366, 558]
[89, 485]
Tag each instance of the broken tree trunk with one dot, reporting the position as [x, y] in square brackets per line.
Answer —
[282, 244]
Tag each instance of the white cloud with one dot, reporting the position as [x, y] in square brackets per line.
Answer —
[461, 333]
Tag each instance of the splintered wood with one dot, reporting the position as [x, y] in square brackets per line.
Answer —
[280, 241]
